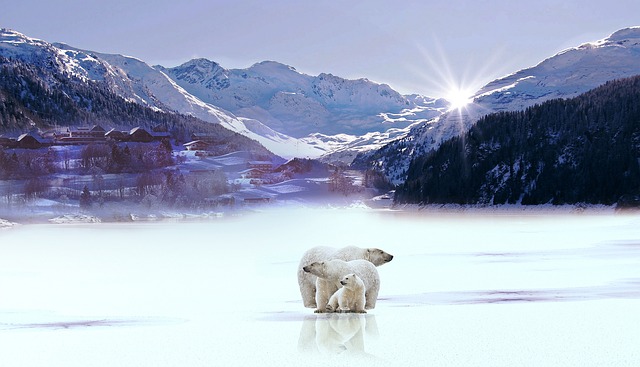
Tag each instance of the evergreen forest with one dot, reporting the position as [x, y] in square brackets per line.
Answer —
[580, 150]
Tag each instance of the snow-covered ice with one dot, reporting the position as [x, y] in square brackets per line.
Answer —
[500, 288]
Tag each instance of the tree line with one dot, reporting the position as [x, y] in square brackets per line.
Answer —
[580, 150]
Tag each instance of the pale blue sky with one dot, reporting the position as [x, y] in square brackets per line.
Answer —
[414, 46]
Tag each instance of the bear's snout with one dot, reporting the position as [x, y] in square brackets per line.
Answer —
[306, 269]
[343, 282]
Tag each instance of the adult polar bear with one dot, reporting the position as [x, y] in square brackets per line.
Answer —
[331, 272]
[307, 281]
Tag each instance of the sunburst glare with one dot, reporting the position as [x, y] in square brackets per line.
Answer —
[459, 98]
[456, 82]
[453, 81]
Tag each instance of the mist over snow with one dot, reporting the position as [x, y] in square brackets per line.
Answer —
[497, 288]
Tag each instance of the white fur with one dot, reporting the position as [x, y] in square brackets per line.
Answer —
[330, 273]
[349, 298]
[307, 281]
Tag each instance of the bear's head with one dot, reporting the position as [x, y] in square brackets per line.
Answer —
[350, 281]
[317, 268]
[378, 257]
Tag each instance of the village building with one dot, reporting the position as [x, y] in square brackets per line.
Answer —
[116, 135]
[196, 145]
[140, 135]
[84, 135]
[8, 142]
[31, 141]
[80, 135]
[95, 131]
[265, 166]
[251, 173]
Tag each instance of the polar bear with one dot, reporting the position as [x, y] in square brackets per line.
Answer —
[330, 273]
[307, 281]
[349, 298]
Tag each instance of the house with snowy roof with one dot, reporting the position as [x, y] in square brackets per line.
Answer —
[31, 141]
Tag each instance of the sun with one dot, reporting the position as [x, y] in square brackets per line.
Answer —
[458, 98]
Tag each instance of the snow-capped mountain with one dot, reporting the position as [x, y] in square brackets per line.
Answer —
[138, 82]
[565, 75]
[290, 113]
[298, 104]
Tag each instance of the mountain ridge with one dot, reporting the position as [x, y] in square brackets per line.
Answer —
[33, 97]
[295, 110]
[294, 114]
[567, 74]
[297, 103]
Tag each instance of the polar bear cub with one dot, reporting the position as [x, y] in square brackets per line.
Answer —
[349, 298]
[307, 281]
[330, 273]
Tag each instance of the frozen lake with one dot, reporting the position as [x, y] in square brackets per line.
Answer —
[484, 289]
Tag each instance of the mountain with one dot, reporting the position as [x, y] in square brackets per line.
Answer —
[42, 85]
[136, 81]
[563, 151]
[35, 97]
[567, 74]
[290, 113]
[300, 105]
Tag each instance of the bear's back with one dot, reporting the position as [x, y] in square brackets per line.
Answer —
[363, 268]
[349, 253]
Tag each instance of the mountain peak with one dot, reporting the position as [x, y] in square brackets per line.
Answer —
[269, 65]
[202, 63]
[568, 73]
[626, 34]
[9, 36]
[6, 32]
[202, 71]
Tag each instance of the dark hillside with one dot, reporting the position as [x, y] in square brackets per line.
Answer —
[581, 150]
[33, 97]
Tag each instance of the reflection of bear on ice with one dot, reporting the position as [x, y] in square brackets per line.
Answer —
[336, 333]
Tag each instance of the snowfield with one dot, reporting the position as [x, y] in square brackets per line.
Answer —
[477, 288]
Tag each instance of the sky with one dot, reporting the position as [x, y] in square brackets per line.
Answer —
[425, 47]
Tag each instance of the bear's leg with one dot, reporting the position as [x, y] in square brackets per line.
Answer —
[322, 296]
[332, 305]
[324, 290]
[358, 305]
[371, 296]
[308, 290]
[307, 284]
